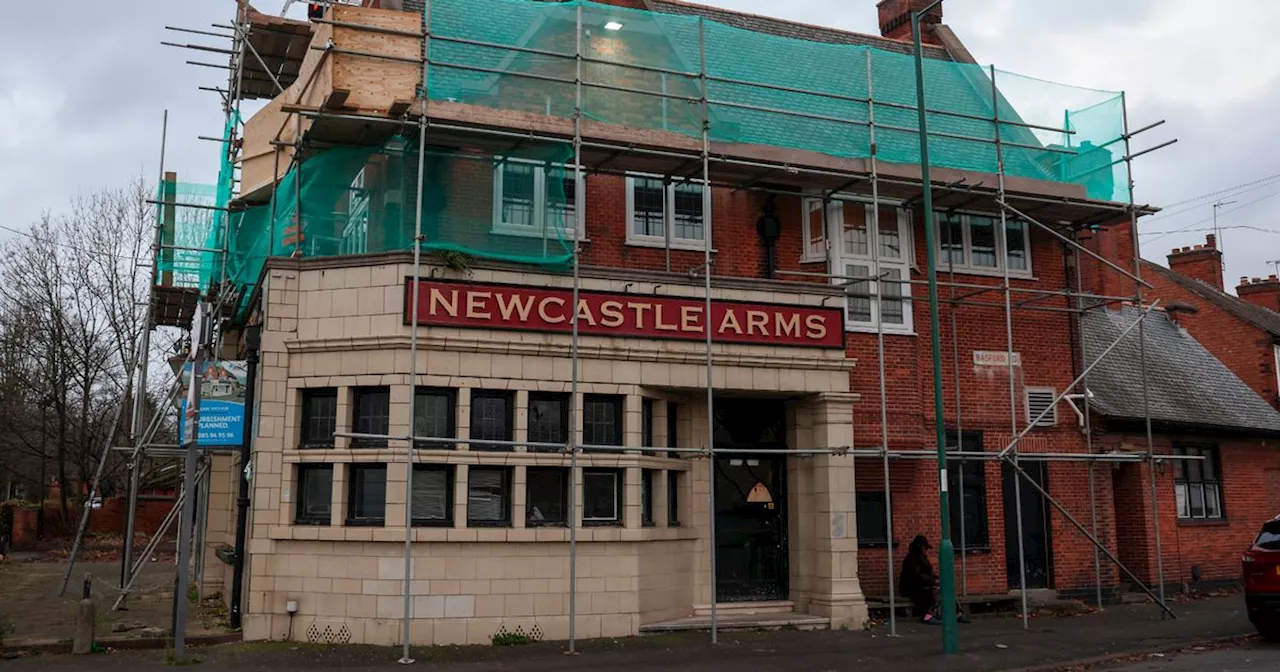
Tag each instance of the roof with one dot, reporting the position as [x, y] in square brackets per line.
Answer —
[793, 29]
[1262, 318]
[1186, 385]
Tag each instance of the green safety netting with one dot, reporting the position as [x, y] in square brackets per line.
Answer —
[190, 235]
[761, 89]
[363, 200]
[753, 89]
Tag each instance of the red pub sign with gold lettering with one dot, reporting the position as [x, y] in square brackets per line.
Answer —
[494, 306]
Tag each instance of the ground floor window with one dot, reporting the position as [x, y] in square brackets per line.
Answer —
[489, 497]
[601, 497]
[314, 494]
[646, 497]
[367, 495]
[546, 496]
[432, 503]
[1197, 483]
[673, 499]
[967, 493]
[872, 530]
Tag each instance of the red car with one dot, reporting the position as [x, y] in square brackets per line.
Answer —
[1262, 580]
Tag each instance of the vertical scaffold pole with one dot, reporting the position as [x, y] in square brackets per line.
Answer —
[1003, 235]
[884, 397]
[1088, 432]
[706, 269]
[140, 390]
[574, 407]
[1142, 352]
[405, 659]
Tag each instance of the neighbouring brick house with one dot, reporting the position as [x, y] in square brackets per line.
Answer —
[796, 366]
[1211, 509]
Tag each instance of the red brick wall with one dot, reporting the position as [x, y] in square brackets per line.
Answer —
[1202, 263]
[1263, 292]
[107, 520]
[1245, 349]
[1213, 546]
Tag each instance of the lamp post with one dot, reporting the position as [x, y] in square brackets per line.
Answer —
[946, 550]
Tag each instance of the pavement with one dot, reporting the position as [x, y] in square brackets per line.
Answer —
[989, 643]
[1249, 657]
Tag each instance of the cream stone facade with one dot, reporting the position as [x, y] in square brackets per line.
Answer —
[340, 323]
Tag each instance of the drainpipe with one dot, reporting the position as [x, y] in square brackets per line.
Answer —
[251, 341]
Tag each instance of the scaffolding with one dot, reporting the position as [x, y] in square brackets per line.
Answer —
[847, 119]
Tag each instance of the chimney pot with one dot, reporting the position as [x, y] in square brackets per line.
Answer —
[1257, 280]
[1244, 280]
[1211, 240]
[1198, 247]
[1272, 278]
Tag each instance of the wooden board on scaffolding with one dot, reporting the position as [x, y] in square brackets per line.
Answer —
[174, 306]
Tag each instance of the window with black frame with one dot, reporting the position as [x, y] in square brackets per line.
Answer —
[367, 495]
[489, 497]
[546, 496]
[1198, 483]
[967, 481]
[435, 415]
[673, 424]
[673, 499]
[492, 415]
[432, 501]
[872, 527]
[646, 424]
[602, 420]
[548, 420]
[319, 417]
[601, 497]
[370, 414]
[646, 497]
[314, 494]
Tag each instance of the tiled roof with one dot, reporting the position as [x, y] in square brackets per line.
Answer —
[783, 28]
[1262, 318]
[1186, 385]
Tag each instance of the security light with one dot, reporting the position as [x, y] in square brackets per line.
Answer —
[613, 25]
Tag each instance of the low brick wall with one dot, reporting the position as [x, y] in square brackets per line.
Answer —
[109, 519]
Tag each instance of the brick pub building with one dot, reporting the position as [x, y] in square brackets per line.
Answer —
[797, 360]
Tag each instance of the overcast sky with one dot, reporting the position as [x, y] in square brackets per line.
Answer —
[83, 85]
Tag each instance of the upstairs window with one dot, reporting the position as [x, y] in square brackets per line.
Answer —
[973, 243]
[602, 420]
[657, 208]
[534, 199]
[491, 418]
[370, 414]
[548, 420]
[319, 417]
[861, 241]
[435, 416]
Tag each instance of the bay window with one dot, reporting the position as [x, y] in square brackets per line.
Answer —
[854, 228]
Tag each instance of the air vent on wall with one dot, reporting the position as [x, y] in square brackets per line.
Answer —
[1039, 399]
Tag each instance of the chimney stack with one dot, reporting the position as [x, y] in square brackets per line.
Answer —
[1202, 262]
[1261, 292]
[895, 20]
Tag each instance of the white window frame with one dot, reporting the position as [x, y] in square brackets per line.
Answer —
[967, 265]
[842, 260]
[540, 206]
[668, 217]
[814, 244]
[1276, 349]
[1050, 420]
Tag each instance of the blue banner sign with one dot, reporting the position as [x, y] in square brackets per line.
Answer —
[222, 412]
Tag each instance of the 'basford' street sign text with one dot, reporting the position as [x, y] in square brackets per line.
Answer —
[491, 306]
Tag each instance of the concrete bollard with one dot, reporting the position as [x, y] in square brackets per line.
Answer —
[85, 616]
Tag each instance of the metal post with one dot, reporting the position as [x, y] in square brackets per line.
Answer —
[574, 408]
[1142, 352]
[1003, 235]
[884, 398]
[191, 447]
[251, 340]
[1088, 437]
[405, 659]
[706, 269]
[946, 551]
[140, 391]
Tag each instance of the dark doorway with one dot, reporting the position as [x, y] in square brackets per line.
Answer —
[1035, 527]
[750, 491]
